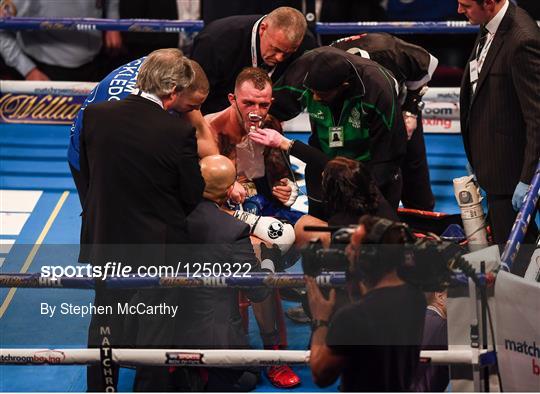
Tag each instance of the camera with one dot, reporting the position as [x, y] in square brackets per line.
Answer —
[316, 259]
[426, 263]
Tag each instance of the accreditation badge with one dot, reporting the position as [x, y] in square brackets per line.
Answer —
[473, 71]
[336, 137]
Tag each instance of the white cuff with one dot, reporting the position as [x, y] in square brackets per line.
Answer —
[268, 265]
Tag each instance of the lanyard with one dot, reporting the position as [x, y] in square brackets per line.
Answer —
[149, 96]
[254, 31]
[483, 54]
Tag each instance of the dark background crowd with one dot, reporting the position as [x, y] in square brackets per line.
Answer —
[452, 54]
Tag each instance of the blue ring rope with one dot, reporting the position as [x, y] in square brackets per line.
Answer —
[189, 26]
[523, 218]
[260, 279]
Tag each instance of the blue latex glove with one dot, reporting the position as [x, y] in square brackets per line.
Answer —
[470, 170]
[519, 195]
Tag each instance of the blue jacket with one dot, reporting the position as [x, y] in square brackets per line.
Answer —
[117, 85]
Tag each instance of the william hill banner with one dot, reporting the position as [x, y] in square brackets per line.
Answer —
[34, 108]
[41, 102]
[46, 102]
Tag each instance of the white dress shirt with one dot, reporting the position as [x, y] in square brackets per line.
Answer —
[491, 27]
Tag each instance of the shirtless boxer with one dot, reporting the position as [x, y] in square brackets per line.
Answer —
[260, 172]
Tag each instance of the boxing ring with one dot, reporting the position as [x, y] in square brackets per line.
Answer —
[32, 158]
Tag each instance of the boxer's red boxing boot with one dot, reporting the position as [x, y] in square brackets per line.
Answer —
[282, 376]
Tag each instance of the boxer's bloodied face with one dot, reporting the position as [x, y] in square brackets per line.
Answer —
[248, 99]
[275, 46]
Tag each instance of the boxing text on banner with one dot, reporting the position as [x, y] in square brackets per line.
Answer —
[517, 331]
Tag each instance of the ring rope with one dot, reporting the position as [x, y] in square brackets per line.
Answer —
[205, 357]
[257, 279]
[189, 26]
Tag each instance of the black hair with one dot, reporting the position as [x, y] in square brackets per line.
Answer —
[348, 187]
[481, 2]
[381, 251]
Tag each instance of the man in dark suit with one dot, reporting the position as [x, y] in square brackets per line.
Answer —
[500, 109]
[141, 167]
[226, 46]
[213, 320]
[208, 318]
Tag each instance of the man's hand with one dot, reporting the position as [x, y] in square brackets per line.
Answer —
[320, 307]
[113, 42]
[269, 137]
[295, 190]
[356, 240]
[410, 123]
[470, 170]
[36, 75]
[237, 194]
[519, 195]
[283, 191]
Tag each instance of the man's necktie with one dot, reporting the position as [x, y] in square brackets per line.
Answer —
[483, 38]
[481, 43]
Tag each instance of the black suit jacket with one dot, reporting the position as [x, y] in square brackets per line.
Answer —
[207, 317]
[211, 318]
[532, 7]
[500, 123]
[143, 176]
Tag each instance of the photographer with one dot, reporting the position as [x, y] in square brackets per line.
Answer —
[374, 343]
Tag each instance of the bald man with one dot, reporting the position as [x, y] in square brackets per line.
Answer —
[211, 317]
[208, 318]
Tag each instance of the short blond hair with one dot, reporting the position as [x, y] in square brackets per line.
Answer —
[291, 21]
[258, 77]
[165, 71]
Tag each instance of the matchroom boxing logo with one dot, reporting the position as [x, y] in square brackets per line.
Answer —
[47, 356]
[527, 349]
